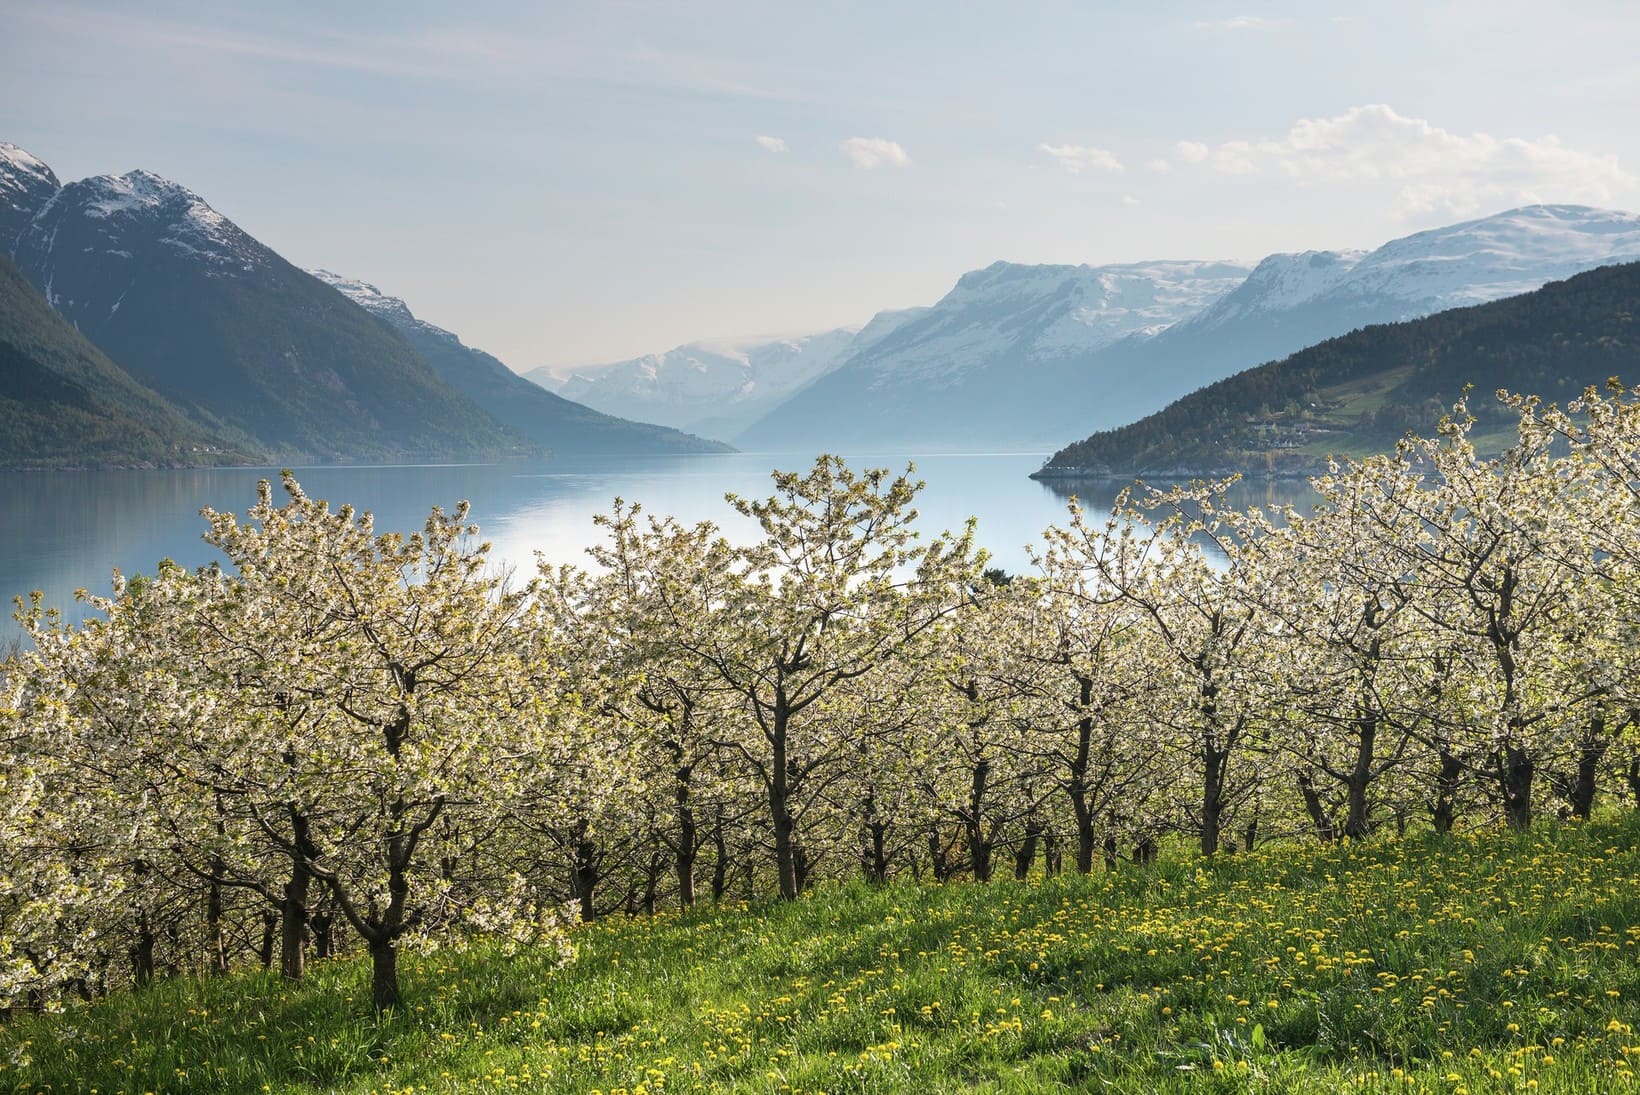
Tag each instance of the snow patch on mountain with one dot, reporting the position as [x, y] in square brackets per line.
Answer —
[1043, 313]
[27, 185]
[184, 223]
[712, 386]
[370, 298]
[19, 167]
[1504, 255]
[1460, 264]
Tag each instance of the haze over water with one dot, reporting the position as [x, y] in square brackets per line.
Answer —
[70, 530]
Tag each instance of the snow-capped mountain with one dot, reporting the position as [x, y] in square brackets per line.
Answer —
[551, 421]
[1469, 263]
[977, 368]
[99, 232]
[1018, 357]
[224, 329]
[26, 185]
[715, 388]
[374, 301]
[1039, 313]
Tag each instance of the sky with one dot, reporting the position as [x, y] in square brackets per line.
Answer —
[564, 184]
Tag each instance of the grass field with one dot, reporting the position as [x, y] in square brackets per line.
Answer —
[1483, 963]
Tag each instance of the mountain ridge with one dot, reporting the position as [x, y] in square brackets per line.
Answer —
[1359, 392]
[258, 357]
[917, 391]
[541, 416]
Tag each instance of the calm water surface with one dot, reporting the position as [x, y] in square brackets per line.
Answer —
[69, 530]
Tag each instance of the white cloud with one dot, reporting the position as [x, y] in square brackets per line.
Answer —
[871, 152]
[1436, 170]
[1237, 22]
[1130, 199]
[772, 144]
[1160, 166]
[1077, 158]
[1191, 151]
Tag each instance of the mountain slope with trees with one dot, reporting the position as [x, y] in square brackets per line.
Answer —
[64, 404]
[1362, 391]
[217, 328]
[246, 344]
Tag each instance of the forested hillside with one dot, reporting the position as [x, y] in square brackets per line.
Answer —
[1360, 392]
[64, 404]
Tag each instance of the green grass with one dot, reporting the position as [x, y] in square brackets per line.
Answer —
[1483, 963]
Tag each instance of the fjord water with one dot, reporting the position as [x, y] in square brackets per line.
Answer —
[70, 530]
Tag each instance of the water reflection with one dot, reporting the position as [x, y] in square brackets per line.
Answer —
[67, 530]
[1100, 494]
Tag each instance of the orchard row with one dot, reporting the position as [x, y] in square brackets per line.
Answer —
[347, 739]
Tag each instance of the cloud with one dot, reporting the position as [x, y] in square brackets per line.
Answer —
[1435, 170]
[1160, 166]
[873, 152]
[1191, 151]
[1130, 199]
[772, 144]
[1237, 22]
[1077, 158]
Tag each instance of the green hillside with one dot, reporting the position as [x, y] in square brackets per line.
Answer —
[64, 404]
[1482, 962]
[1358, 393]
[280, 359]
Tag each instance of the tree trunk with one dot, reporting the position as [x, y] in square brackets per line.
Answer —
[216, 933]
[1591, 751]
[1052, 856]
[1144, 852]
[384, 974]
[801, 866]
[294, 909]
[1113, 852]
[1025, 855]
[1633, 776]
[877, 852]
[270, 932]
[1356, 823]
[720, 869]
[973, 822]
[1515, 771]
[324, 940]
[938, 862]
[1213, 770]
[293, 923]
[688, 836]
[142, 953]
[780, 791]
[1323, 822]
[1445, 811]
[585, 878]
[1077, 786]
[652, 881]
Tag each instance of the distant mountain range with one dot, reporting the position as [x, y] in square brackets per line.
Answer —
[261, 360]
[995, 362]
[210, 346]
[714, 388]
[1023, 357]
[1358, 393]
